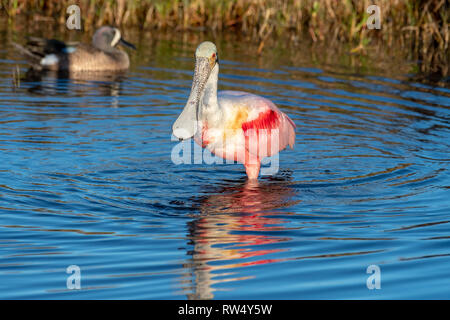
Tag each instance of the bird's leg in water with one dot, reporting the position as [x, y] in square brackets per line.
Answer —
[252, 171]
[252, 165]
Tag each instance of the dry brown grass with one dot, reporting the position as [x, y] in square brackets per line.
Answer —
[421, 27]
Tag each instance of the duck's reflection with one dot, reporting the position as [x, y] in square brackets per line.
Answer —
[75, 83]
[232, 231]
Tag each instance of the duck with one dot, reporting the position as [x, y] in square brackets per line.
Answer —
[101, 54]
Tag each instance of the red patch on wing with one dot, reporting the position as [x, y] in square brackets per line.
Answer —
[258, 135]
[266, 120]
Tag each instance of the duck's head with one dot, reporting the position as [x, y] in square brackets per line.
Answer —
[106, 38]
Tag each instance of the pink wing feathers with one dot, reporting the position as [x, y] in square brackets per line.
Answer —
[270, 132]
[266, 129]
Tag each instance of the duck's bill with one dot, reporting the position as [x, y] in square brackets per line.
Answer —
[127, 44]
[185, 127]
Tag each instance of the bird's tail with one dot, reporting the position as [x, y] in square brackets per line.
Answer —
[32, 58]
[38, 48]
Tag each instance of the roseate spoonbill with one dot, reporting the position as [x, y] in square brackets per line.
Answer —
[100, 55]
[233, 125]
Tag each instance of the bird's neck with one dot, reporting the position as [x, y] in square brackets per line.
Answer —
[210, 109]
[104, 46]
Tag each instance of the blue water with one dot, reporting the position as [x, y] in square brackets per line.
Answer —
[86, 179]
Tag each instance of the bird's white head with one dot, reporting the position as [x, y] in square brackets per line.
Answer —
[206, 49]
[206, 59]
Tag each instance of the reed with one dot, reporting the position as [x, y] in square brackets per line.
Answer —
[422, 26]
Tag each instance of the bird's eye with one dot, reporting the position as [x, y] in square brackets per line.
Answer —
[213, 55]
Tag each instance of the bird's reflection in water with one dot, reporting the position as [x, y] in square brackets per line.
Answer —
[76, 83]
[231, 232]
